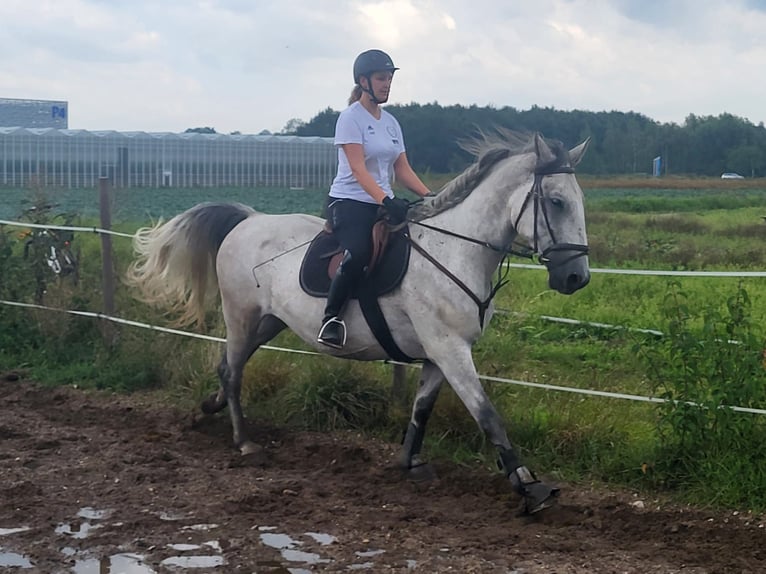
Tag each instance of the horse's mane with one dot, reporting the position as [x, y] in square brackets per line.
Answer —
[489, 148]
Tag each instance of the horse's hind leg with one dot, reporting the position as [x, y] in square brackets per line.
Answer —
[241, 343]
[431, 380]
[216, 402]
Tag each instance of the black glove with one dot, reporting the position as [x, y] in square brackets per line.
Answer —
[396, 208]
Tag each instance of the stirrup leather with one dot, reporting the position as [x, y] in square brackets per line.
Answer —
[336, 337]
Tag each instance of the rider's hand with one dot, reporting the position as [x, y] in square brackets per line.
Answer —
[396, 208]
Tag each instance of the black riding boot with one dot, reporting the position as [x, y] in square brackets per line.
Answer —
[333, 331]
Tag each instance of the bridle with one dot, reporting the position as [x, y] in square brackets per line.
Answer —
[535, 196]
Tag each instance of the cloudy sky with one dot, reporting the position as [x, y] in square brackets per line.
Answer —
[249, 65]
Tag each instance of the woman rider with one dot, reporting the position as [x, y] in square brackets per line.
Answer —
[370, 149]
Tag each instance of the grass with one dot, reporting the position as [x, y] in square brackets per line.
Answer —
[571, 436]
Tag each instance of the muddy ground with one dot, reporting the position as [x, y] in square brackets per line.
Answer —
[101, 483]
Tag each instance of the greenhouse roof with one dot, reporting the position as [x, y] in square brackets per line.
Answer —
[53, 132]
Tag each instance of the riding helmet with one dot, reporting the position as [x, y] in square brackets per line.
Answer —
[372, 61]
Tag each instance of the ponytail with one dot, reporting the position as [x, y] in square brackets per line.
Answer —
[356, 94]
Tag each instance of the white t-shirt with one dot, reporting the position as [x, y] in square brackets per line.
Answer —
[383, 143]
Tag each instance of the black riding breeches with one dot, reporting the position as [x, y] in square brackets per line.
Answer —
[352, 223]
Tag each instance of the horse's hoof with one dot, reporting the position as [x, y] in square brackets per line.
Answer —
[536, 494]
[251, 455]
[210, 405]
[420, 471]
[249, 448]
[539, 496]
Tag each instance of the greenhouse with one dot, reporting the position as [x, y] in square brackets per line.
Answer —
[78, 158]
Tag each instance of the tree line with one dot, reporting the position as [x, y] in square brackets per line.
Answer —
[621, 142]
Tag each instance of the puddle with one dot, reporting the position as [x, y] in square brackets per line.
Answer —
[169, 516]
[122, 563]
[304, 557]
[363, 566]
[323, 539]
[369, 553]
[278, 541]
[92, 513]
[7, 531]
[82, 532]
[286, 546]
[203, 527]
[13, 560]
[193, 561]
[184, 547]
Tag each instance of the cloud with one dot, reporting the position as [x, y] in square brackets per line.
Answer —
[243, 65]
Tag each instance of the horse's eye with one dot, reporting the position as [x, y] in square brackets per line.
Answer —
[557, 202]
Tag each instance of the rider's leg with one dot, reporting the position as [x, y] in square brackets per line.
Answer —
[352, 223]
[333, 330]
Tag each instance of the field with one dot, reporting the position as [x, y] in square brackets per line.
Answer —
[606, 452]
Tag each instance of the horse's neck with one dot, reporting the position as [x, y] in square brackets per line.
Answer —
[485, 214]
[482, 217]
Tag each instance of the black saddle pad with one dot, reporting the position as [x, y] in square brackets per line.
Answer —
[389, 272]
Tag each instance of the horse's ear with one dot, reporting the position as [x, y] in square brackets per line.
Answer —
[576, 153]
[545, 155]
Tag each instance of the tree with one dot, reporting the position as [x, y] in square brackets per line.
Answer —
[204, 130]
[292, 126]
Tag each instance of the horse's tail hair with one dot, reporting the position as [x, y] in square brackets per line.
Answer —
[175, 261]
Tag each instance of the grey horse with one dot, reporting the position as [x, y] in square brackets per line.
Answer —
[517, 190]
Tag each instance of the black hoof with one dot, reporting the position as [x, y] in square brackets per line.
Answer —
[210, 405]
[539, 496]
[421, 472]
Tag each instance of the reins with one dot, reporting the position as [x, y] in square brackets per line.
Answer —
[502, 273]
[536, 195]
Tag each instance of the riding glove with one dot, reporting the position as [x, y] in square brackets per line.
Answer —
[397, 208]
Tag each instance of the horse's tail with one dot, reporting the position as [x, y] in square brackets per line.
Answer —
[175, 261]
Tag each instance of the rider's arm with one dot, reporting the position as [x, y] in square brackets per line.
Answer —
[355, 155]
[406, 176]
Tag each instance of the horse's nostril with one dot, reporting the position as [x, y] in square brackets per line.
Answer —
[576, 281]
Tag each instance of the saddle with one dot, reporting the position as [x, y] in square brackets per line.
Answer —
[385, 271]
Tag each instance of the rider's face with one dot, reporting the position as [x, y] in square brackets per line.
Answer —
[381, 85]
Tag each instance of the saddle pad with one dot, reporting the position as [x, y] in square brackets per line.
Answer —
[387, 274]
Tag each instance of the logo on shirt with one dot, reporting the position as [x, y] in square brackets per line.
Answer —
[394, 136]
[371, 130]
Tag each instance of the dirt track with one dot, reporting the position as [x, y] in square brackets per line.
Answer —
[102, 483]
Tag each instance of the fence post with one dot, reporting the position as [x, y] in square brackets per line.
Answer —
[107, 260]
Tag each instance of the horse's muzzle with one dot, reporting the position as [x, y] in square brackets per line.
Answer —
[568, 269]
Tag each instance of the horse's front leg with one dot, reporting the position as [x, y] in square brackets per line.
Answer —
[460, 371]
[431, 380]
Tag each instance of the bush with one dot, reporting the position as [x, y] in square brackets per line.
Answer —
[709, 362]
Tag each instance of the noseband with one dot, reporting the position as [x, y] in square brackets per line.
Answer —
[535, 195]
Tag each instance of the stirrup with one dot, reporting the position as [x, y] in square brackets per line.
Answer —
[333, 333]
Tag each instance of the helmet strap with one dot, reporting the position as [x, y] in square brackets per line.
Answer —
[369, 91]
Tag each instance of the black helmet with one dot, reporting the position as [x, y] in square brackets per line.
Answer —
[372, 61]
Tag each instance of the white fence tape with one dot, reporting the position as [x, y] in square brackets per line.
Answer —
[65, 228]
[515, 265]
[544, 386]
[657, 272]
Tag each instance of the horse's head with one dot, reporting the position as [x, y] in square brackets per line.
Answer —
[550, 213]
